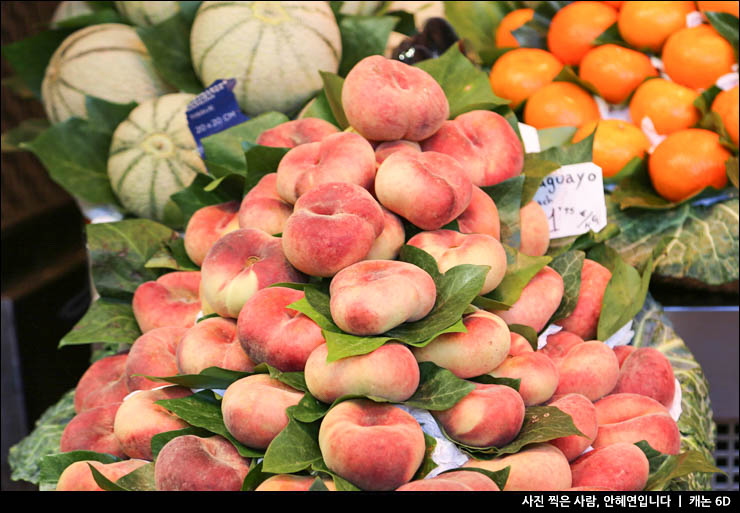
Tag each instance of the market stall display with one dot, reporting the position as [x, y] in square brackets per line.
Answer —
[364, 291]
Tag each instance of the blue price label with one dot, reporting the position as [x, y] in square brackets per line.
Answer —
[213, 111]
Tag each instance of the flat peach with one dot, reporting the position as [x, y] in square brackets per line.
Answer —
[213, 342]
[294, 133]
[538, 301]
[78, 477]
[153, 354]
[206, 226]
[104, 382]
[92, 430]
[584, 319]
[172, 300]
[262, 208]
[270, 332]
[360, 303]
[484, 144]
[481, 216]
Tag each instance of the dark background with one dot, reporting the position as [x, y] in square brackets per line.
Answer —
[45, 286]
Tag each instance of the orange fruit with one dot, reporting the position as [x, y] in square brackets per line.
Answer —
[615, 71]
[560, 104]
[616, 5]
[616, 142]
[686, 162]
[648, 24]
[510, 23]
[575, 26]
[670, 106]
[727, 105]
[728, 7]
[696, 57]
[519, 73]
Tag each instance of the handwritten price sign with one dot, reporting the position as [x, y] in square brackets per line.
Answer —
[573, 200]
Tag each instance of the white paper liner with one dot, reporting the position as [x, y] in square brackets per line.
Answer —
[530, 138]
[694, 19]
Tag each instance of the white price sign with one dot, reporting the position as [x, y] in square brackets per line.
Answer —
[573, 200]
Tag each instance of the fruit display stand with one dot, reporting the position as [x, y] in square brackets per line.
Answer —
[137, 263]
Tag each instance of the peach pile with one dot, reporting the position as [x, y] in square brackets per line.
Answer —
[335, 216]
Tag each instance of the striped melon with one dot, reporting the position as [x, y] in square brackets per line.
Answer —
[108, 61]
[144, 14]
[69, 9]
[153, 155]
[273, 49]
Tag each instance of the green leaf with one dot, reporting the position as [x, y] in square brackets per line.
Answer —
[732, 170]
[541, 424]
[30, 57]
[224, 153]
[168, 44]
[25, 132]
[94, 18]
[76, 157]
[139, 480]
[527, 332]
[727, 26]
[567, 74]
[664, 467]
[611, 36]
[53, 465]
[705, 246]
[212, 378]
[477, 23]
[520, 269]
[533, 34]
[427, 464]
[487, 379]
[555, 136]
[635, 165]
[119, 252]
[319, 108]
[295, 448]
[295, 380]
[103, 482]
[568, 265]
[625, 293]
[421, 259]
[439, 389]
[161, 439]
[107, 321]
[465, 86]
[363, 36]
[318, 486]
[499, 477]
[172, 255]
[705, 100]
[535, 170]
[104, 116]
[507, 196]
[195, 196]
[260, 161]
[25, 457]
[333, 84]
[341, 484]
[204, 411]
[255, 477]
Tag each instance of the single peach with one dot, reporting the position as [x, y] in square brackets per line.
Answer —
[455, 481]
[388, 148]
[583, 413]
[428, 189]
[375, 446]
[388, 244]
[647, 371]
[78, 477]
[104, 382]
[262, 208]
[333, 226]
[270, 332]
[213, 342]
[206, 226]
[620, 467]
[386, 100]
[92, 430]
[291, 483]
[343, 157]
[590, 368]
[193, 463]
[479, 350]
[538, 301]
[539, 376]
[239, 264]
[484, 144]
[584, 319]
[360, 303]
[481, 216]
[254, 407]
[535, 230]
[172, 300]
[153, 354]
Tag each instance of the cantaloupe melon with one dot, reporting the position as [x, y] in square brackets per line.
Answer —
[153, 155]
[107, 61]
[143, 14]
[273, 49]
[69, 9]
